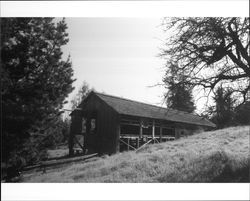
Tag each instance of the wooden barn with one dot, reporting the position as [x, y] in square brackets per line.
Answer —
[111, 124]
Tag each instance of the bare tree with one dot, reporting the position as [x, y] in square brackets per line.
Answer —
[211, 51]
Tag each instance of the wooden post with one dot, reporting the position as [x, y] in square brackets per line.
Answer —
[140, 128]
[153, 129]
[176, 133]
[71, 144]
[160, 134]
[118, 131]
[128, 144]
[138, 142]
[86, 137]
[71, 138]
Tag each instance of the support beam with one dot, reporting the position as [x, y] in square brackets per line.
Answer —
[144, 144]
[71, 138]
[128, 144]
[153, 129]
[118, 133]
[130, 124]
[86, 136]
[138, 142]
[141, 131]
[80, 145]
[71, 143]
[121, 140]
[160, 134]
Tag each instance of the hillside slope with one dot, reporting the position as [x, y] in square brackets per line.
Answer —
[216, 156]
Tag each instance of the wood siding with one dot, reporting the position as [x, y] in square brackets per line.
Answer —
[113, 125]
[107, 126]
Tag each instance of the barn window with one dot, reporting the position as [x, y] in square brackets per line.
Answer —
[147, 131]
[130, 129]
[168, 132]
[157, 130]
[83, 125]
[93, 125]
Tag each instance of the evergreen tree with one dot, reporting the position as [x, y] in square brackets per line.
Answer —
[35, 80]
[224, 108]
[81, 94]
[242, 114]
[179, 95]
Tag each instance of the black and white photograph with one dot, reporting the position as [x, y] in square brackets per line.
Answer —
[125, 99]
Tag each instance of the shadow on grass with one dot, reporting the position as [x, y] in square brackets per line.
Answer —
[216, 167]
[241, 175]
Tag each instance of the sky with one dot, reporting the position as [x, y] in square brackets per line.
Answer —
[118, 56]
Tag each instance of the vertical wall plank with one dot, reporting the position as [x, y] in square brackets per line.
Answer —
[141, 128]
[160, 134]
[118, 132]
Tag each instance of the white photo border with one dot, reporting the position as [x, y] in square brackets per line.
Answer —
[143, 9]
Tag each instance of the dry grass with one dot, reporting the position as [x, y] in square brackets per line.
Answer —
[216, 156]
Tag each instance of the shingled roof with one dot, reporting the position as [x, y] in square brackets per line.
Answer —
[135, 108]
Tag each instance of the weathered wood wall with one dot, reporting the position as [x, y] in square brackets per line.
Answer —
[107, 125]
[110, 126]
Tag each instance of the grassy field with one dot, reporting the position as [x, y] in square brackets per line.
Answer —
[216, 156]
